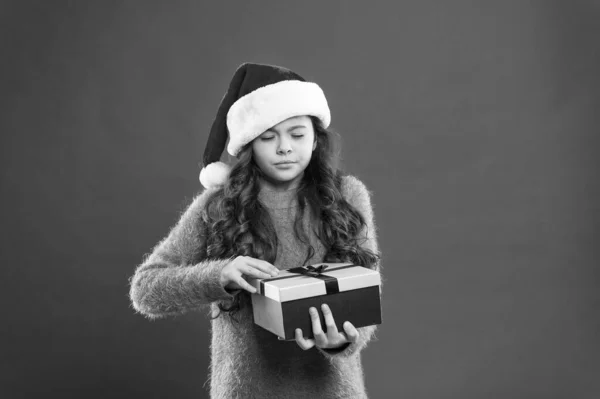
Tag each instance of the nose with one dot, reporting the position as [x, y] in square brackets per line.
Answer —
[284, 146]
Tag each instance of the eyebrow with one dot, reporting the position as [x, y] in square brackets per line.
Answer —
[290, 129]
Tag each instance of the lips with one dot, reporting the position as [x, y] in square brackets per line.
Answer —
[284, 163]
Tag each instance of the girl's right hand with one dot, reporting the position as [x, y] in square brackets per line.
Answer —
[232, 275]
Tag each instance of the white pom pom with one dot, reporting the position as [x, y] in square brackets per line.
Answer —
[214, 174]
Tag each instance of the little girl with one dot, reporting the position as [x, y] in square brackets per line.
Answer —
[283, 204]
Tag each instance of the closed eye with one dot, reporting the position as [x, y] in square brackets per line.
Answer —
[296, 136]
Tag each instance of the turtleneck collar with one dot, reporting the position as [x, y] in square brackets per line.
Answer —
[278, 199]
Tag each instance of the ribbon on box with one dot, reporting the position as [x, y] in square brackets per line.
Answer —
[309, 271]
[331, 283]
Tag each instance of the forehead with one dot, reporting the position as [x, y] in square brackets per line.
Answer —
[301, 120]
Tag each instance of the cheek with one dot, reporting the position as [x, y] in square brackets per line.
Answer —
[259, 152]
[308, 149]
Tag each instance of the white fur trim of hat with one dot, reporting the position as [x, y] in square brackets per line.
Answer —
[265, 107]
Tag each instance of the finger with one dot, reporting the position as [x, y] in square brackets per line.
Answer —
[270, 268]
[332, 330]
[253, 272]
[319, 334]
[351, 332]
[262, 265]
[315, 320]
[344, 336]
[245, 285]
[303, 343]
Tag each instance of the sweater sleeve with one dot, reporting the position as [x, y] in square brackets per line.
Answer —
[356, 193]
[167, 283]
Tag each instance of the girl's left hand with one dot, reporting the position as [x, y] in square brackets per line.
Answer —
[333, 338]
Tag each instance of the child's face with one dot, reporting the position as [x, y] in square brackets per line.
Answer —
[290, 140]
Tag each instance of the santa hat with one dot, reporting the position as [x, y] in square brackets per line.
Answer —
[259, 97]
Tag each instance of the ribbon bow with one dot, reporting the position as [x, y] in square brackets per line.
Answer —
[314, 271]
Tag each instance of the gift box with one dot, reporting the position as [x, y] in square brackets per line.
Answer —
[281, 303]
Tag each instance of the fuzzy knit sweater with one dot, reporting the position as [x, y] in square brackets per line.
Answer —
[248, 361]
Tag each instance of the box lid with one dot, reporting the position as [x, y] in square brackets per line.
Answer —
[318, 279]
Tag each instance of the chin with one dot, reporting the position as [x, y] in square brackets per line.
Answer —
[283, 177]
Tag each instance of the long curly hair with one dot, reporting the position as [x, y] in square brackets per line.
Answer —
[240, 225]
